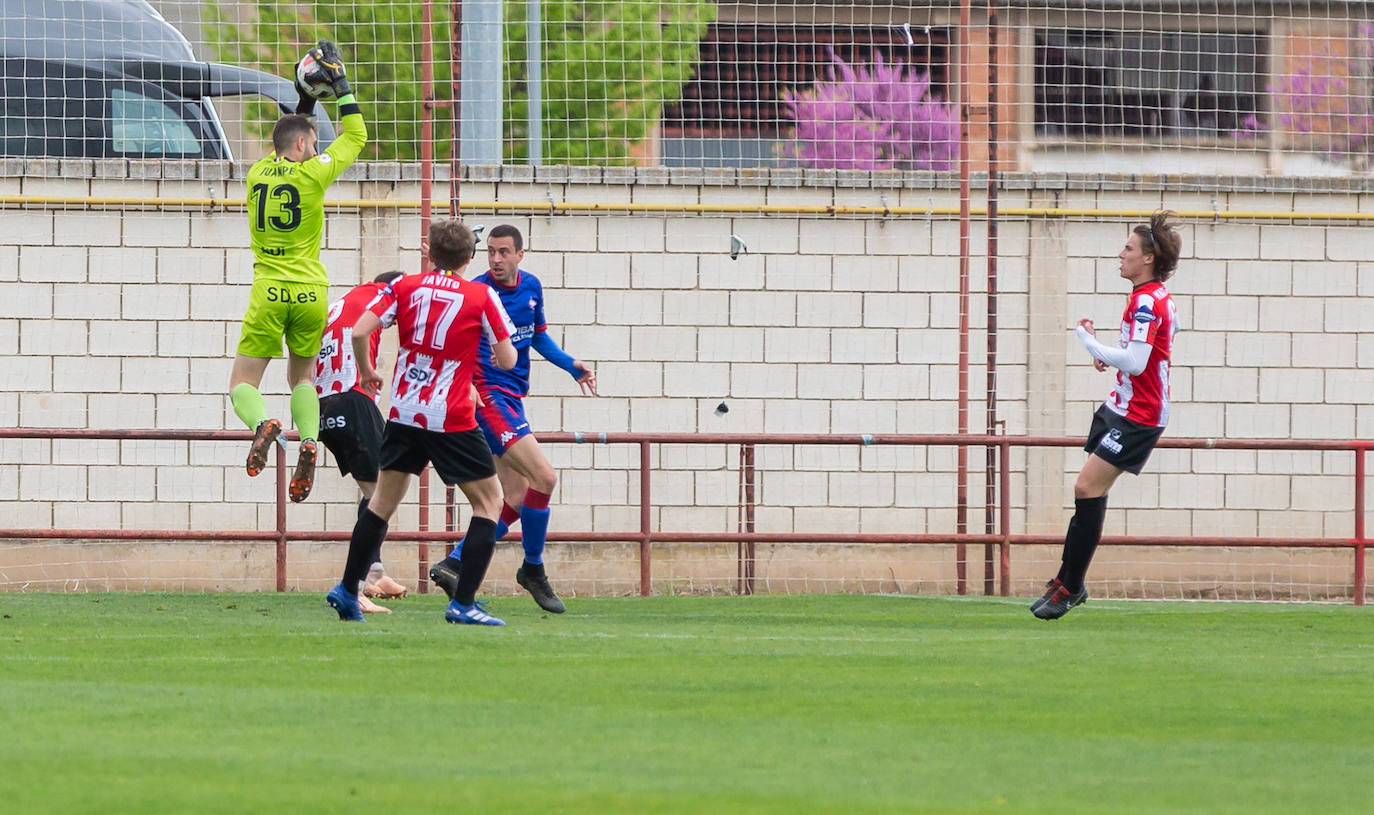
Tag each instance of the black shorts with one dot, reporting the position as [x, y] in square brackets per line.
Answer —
[351, 428]
[457, 457]
[1120, 442]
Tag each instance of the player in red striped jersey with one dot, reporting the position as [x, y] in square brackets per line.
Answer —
[1127, 426]
[350, 423]
[441, 319]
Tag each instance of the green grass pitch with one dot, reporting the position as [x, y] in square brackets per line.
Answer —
[264, 703]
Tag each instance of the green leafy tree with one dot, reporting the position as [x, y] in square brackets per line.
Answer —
[381, 48]
[608, 68]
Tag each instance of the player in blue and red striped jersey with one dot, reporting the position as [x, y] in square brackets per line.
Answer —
[527, 478]
[1127, 426]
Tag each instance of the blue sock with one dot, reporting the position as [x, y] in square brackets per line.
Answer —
[535, 526]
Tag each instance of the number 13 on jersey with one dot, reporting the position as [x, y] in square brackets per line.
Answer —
[288, 200]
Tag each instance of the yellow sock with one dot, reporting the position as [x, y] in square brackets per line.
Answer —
[251, 407]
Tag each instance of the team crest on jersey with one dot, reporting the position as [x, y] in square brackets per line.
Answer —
[533, 303]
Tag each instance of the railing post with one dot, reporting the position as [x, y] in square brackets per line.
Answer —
[422, 553]
[961, 520]
[989, 497]
[1359, 526]
[744, 550]
[1004, 514]
[645, 518]
[281, 518]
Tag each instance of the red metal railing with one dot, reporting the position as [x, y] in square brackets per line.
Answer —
[745, 537]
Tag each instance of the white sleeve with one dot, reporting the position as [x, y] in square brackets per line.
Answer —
[388, 317]
[1132, 359]
[500, 309]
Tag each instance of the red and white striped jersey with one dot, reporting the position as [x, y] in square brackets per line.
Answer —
[336, 370]
[441, 319]
[1149, 317]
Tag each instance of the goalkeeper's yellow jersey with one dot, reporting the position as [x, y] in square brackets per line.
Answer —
[286, 205]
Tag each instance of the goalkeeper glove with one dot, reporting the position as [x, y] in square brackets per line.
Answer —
[332, 64]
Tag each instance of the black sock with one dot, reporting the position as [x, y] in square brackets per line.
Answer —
[477, 548]
[533, 569]
[376, 553]
[1089, 514]
[367, 539]
[1064, 555]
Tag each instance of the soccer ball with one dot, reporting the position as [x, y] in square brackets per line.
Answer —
[310, 76]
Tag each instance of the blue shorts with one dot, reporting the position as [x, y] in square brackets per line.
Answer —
[502, 420]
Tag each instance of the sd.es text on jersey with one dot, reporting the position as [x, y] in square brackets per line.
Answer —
[281, 294]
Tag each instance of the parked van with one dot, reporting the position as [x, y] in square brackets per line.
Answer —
[113, 79]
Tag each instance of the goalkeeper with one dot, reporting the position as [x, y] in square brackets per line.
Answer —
[289, 301]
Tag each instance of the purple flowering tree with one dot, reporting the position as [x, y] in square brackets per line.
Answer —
[1325, 102]
[873, 117]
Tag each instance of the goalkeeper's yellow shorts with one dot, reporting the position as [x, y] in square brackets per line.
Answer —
[277, 311]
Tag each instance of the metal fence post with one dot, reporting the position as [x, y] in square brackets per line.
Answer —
[744, 550]
[645, 520]
[1359, 526]
[281, 518]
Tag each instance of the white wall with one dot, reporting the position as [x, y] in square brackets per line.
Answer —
[127, 317]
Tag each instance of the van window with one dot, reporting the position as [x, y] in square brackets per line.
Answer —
[149, 127]
[46, 115]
